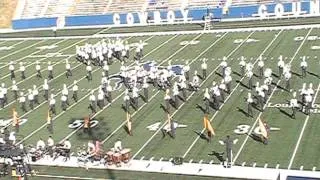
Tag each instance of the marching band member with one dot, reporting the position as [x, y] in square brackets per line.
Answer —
[294, 105]
[135, 97]
[227, 80]
[175, 91]
[250, 105]
[126, 100]
[52, 105]
[50, 71]
[75, 91]
[35, 93]
[145, 87]
[242, 64]
[41, 145]
[204, 69]
[38, 69]
[68, 69]
[106, 68]
[206, 100]
[89, 71]
[22, 70]
[91, 148]
[183, 88]
[222, 88]
[223, 65]
[100, 98]
[64, 104]
[195, 81]
[109, 92]
[280, 65]
[167, 99]
[4, 91]
[11, 69]
[287, 76]
[261, 98]
[15, 90]
[308, 99]
[22, 101]
[45, 87]
[261, 65]
[2, 101]
[127, 49]
[50, 145]
[65, 92]
[93, 103]
[250, 77]
[30, 98]
[67, 148]
[186, 69]
[304, 66]
[216, 95]
[117, 146]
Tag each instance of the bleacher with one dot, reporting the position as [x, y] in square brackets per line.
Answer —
[204, 3]
[164, 4]
[84, 7]
[127, 6]
[59, 7]
[34, 8]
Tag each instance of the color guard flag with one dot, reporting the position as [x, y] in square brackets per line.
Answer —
[48, 117]
[263, 129]
[15, 117]
[129, 123]
[207, 126]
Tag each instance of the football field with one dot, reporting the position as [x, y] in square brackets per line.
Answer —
[294, 144]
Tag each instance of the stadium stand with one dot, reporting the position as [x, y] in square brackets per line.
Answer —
[127, 6]
[164, 4]
[59, 7]
[34, 8]
[84, 7]
[7, 9]
[202, 3]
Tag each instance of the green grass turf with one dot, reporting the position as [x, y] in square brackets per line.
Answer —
[282, 143]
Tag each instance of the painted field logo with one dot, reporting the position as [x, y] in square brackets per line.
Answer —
[244, 129]
[76, 123]
[238, 41]
[157, 125]
[6, 48]
[315, 107]
[6, 122]
[309, 38]
[184, 43]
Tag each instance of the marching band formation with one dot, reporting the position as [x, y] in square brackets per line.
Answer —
[139, 77]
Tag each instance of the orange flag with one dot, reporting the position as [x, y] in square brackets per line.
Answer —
[207, 125]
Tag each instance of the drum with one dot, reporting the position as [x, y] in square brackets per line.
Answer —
[109, 157]
[116, 158]
[125, 155]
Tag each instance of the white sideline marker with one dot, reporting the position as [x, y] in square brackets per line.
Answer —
[142, 158]
[160, 159]
[151, 159]
[201, 161]
[191, 160]
[301, 168]
[314, 169]
[266, 165]
[243, 164]
[277, 167]
[254, 165]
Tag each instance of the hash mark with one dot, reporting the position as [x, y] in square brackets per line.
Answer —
[161, 159]
[142, 158]
[314, 169]
[266, 165]
[277, 167]
[190, 160]
[301, 168]
[254, 165]
[243, 164]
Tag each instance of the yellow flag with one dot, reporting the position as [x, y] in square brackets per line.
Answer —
[207, 125]
[15, 117]
[48, 117]
[263, 129]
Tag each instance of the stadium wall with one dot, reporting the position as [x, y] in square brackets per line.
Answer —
[253, 12]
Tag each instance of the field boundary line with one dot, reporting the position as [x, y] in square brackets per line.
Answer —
[238, 84]
[159, 129]
[302, 131]
[265, 28]
[265, 106]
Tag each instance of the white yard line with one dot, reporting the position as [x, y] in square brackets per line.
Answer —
[67, 177]
[19, 42]
[302, 131]
[162, 62]
[274, 89]
[234, 89]
[212, 72]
